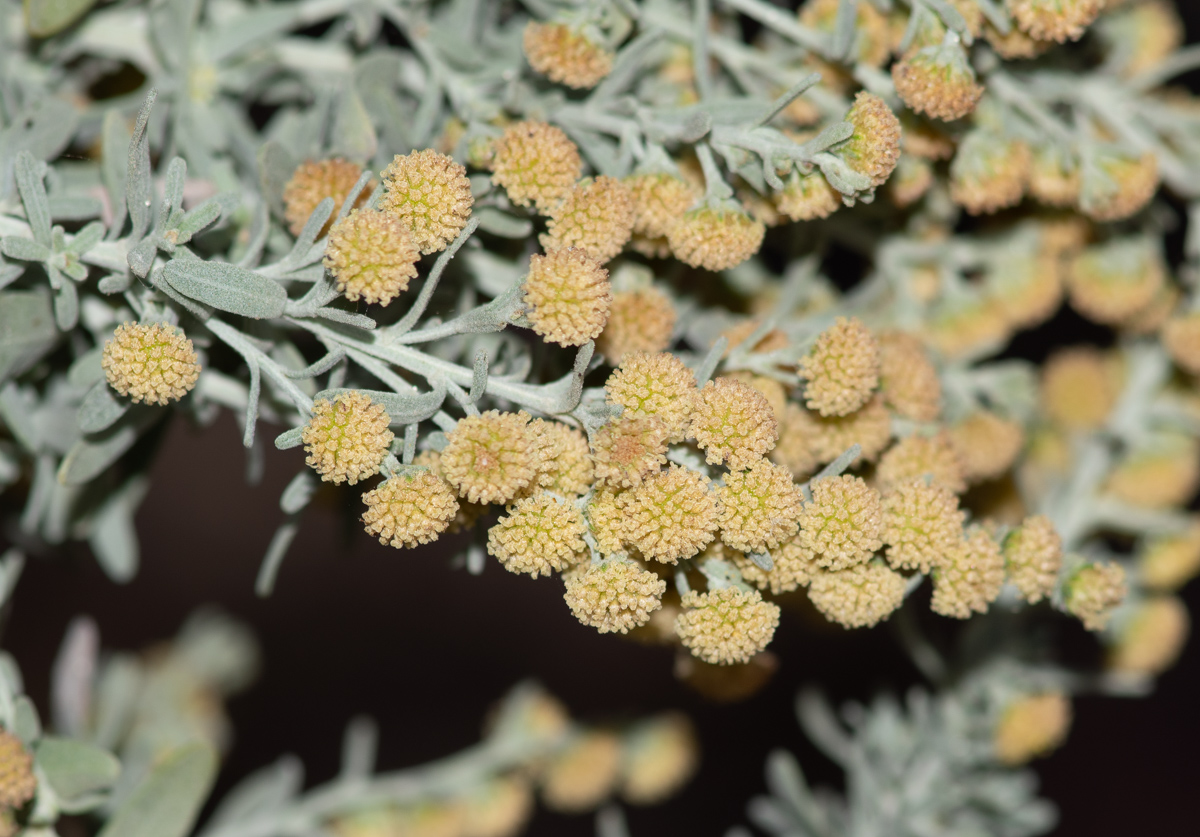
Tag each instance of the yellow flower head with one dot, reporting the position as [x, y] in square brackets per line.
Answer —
[628, 449]
[410, 509]
[150, 362]
[916, 456]
[372, 256]
[726, 626]
[656, 385]
[1160, 472]
[1118, 185]
[661, 754]
[1151, 639]
[315, 180]
[1168, 562]
[986, 445]
[1181, 338]
[842, 370]
[614, 595]
[911, 181]
[1054, 176]
[535, 163]
[938, 82]
[1093, 591]
[430, 194]
[970, 577]
[760, 507]
[1055, 20]
[565, 462]
[606, 520]
[1013, 44]
[828, 438]
[569, 296]
[347, 438]
[596, 216]
[1079, 388]
[539, 535]
[583, 773]
[989, 173]
[733, 423]
[1032, 726]
[965, 325]
[807, 197]
[1033, 555]
[793, 450]
[565, 56]
[874, 147]
[921, 525]
[490, 457]
[858, 597]
[715, 238]
[842, 525]
[499, 808]
[907, 379]
[792, 566]
[1112, 283]
[659, 199]
[17, 782]
[1143, 34]
[671, 515]
[638, 321]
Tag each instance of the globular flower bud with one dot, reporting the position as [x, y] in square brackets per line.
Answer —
[1055, 20]
[595, 216]
[921, 525]
[430, 194]
[907, 378]
[1054, 176]
[489, 458]
[583, 773]
[656, 385]
[569, 296]
[915, 457]
[1116, 185]
[150, 362]
[733, 423]
[715, 238]
[671, 515]
[1027, 286]
[986, 445]
[793, 450]
[540, 534]
[17, 781]
[1151, 638]
[1014, 44]
[807, 197]
[1113, 282]
[1168, 562]
[967, 325]
[911, 181]
[408, 510]
[347, 438]
[1032, 726]
[1161, 471]
[565, 462]
[770, 388]
[938, 81]
[828, 438]
[760, 507]
[1093, 591]
[500, 808]
[614, 595]
[1033, 557]
[842, 524]
[661, 755]
[1142, 34]
[638, 321]
[857, 597]
[371, 255]
[727, 625]
[535, 163]
[874, 147]
[566, 56]
[659, 199]
[970, 577]
[1181, 338]
[1078, 388]
[312, 182]
[989, 172]
[628, 449]
[842, 370]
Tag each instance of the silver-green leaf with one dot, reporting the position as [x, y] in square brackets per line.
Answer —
[227, 287]
[168, 800]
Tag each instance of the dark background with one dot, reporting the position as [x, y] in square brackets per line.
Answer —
[355, 627]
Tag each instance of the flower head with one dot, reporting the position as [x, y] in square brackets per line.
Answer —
[659, 199]
[970, 577]
[1170, 561]
[583, 773]
[566, 56]
[908, 380]
[661, 754]
[596, 216]
[642, 320]
[671, 515]
[871, 34]
[760, 507]
[372, 256]
[1093, 591]
[715, 238]
[540, 534]
[17, 781]
[569, 295]
[916, 456]
[150, 362]
[490, 457]
[874, 147]
[1055, 20]
[986, 445]
[614, 595]
[842, 370]
[733, 423]
[792, 566]
[1078, 388]
[1113, 282]
[499, 808]
[727, 625]
[654, 384]
[989, 172]
[1152, 637]
[1161, 471]
[629, 448]
[565, 462]
[1033, 556]
[312, 182]
[1014, 44]
[922, 524]
[806, 197]
[793, 450]
[1054, 176]
[410, 509]
[859, 596]
[938, 80]
[842, 524]
[430, 194]
[1031, 726]
[1181, 338]
[535, 163]
[347, 438]
[828, 438]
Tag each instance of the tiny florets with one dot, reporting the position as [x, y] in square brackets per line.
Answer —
[715, 238]
[1032, 726]
[566, 56]
[857, 597]
[792, 566]
[937, 81]
[1055, 20]
[842, 525]
[1160, 471]
[614, 595]
[535, 163]
[1116, 185]
[916, 456]
[312, 182]
[150, 362]
[760, 507]
[842, 370]
[595, 216]
[1033, 555]
[409, 510]
[540, 534]
[989, 173]
[638, 321]
[583, 773]
[1093, 591]
[1113, 282]
[371, 255]
[727, 625]
[654, 384]
[565, 462]
[660, 756]
[490, 457]
[1078, 388]
[1170, 561]
[733, 423]
[806, 197]
[430, 194]
[18, 783]
[828, 438]
[659, 199]
[907, 378]
[568, 295]
[874, 147]
[970, 577]
[1181, 338]
[629, 448]
[922, 524]
[793, 450]
[347, 438]
[986, 445]
[671, 515]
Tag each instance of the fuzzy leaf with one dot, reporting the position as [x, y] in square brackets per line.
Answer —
[353, 133]
[25, 249]
[492, 220]
[298, 492]
[114, 539]
[27, 330]
[74, 768]
[168, 800]
[227, 287]
[100, 408]
[275, 167]
[27, 726]
[114, 144]
[137, 180]
[33, 196]
[401, 409]
[44, 18]
[268, 789]
[289, 438]
[90, 457]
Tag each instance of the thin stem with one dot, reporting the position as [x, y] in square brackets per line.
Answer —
[701, 14]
